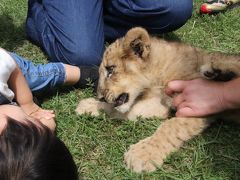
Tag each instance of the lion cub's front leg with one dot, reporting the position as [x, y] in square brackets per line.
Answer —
[92, 106]
[149, 153]
[147, 106]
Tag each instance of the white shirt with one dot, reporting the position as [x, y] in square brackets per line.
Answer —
[7, 66]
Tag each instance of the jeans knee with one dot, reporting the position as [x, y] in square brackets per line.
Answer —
[85, 56]
[180, 13]
[176, 15]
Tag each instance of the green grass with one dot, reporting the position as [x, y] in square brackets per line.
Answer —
[98, 144]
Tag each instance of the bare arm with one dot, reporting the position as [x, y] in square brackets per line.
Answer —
[231, 94]
[24, 97]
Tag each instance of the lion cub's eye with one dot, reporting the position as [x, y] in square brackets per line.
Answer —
[109, 70]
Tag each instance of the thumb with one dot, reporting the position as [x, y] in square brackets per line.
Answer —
[176, 86]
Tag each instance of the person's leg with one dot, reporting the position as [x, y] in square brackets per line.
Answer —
[69, 31]
[156, 16]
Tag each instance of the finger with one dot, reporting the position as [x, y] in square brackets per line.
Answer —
[175, 87]
[51, 111]
[185, 112]
[48, 116]
[49, 123]
[184, 104]
[48, 111]
[43, 116]
[178, 100]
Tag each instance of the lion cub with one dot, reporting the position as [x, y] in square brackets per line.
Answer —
[133, 74]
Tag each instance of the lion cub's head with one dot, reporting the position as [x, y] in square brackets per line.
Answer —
[122, 78]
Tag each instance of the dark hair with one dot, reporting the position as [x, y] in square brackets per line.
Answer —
[33, 152]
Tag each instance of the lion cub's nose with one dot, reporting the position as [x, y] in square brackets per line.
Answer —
[121, 99]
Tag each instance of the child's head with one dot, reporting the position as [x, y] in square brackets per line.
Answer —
[33, 152]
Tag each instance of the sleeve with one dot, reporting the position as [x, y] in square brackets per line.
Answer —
[7, 66]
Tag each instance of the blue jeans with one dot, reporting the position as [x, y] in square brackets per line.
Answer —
[74, 31]
[41, 77]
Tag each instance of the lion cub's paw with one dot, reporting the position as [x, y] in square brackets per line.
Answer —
[209, 72]
[89, 105]
[143, 157]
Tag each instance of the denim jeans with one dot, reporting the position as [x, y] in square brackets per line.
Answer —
[74, 31]
[41, 77]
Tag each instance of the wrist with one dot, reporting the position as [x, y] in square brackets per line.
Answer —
[29, 108]
[231, 95]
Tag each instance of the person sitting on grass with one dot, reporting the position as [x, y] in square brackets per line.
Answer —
[74, 31]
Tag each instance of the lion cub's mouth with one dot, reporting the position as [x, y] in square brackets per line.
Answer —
[121, 99]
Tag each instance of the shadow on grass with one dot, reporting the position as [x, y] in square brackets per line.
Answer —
[11, 36]
[40, 97]
[171, 36]
[224, 148]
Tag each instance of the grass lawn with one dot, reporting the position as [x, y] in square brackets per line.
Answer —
[98, 144]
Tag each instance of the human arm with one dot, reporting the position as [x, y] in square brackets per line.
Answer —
[197, 98]
[13, 83]
[24, 97]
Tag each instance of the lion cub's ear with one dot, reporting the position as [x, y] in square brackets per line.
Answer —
[137, 41]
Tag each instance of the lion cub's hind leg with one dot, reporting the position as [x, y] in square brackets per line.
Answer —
[220, 67]
[150, 153]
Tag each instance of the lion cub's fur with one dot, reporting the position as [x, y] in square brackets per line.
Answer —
[134, 71]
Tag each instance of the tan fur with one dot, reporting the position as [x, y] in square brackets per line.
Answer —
[141, 66]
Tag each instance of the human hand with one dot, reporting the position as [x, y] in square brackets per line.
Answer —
[46, 117]
[197, 98]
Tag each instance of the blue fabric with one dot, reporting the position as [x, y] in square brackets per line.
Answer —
[73, 31]
[4, 100]
[41, 77]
